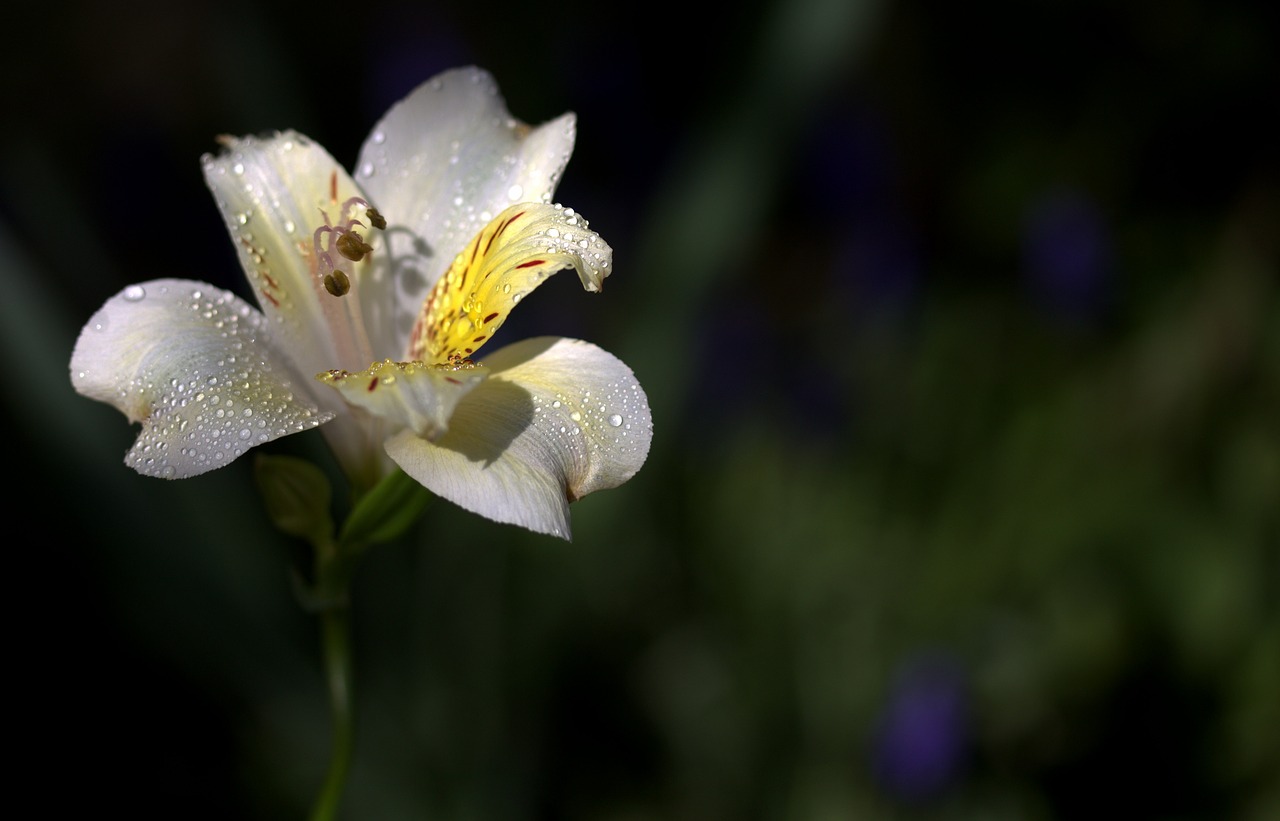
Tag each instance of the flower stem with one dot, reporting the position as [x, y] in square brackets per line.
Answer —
[335, 641]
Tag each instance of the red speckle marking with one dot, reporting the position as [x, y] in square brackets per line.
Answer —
[333, 186]
[373, 383]
[531, 263]
[454, 381]
[490, 318]
[498, 231]
[271, 299]
[480, 338]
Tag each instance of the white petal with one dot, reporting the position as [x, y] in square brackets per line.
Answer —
[408, 394]
[557, 419]
[196, 366]
[271, 193]
[442, 164]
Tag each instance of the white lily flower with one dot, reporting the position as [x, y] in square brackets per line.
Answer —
[374, 294]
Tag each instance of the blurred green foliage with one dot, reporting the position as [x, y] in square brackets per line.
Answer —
[961, 329]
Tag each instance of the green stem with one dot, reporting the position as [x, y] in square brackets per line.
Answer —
[335, 640]
[298, 495]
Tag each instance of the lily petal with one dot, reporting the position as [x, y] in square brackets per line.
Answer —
[556, 419]
[272, 193]
[523, 246]
[468, 159]
[408, 394]
[197, 367]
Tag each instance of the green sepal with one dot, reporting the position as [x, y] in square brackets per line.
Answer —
[297, 496]
[385, 512]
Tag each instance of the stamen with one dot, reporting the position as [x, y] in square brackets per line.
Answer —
[333, 240]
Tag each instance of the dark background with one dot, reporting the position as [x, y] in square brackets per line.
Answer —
[961, 329]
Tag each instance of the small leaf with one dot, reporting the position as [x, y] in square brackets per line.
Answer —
[387, 511]
[297, 496]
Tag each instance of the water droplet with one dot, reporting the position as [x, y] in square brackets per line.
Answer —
[238, 168]
[366, 170]
[379, 138]
[515, 192]
[615, 420]
[134, 293]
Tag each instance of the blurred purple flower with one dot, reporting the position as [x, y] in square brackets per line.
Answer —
[922, 735]
[1067, 255]
[879, 264]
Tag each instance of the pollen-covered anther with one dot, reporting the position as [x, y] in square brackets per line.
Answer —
[337, 283]
[352, 246]
[375, 218]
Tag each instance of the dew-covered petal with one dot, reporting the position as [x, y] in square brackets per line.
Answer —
[439, 166]
[556, 419]
[197, 367]
[514, 253]
[273, 194]
[408, 394]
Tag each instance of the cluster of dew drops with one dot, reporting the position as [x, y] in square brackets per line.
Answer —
[603, 415]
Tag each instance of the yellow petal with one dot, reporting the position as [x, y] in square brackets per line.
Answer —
[510, 257]
[408, 394]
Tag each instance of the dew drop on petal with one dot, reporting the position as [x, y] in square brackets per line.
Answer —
[615, 420]
[134, 293]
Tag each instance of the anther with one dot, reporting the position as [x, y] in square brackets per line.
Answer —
[352, 246]
[376, 219]
[337, 283]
